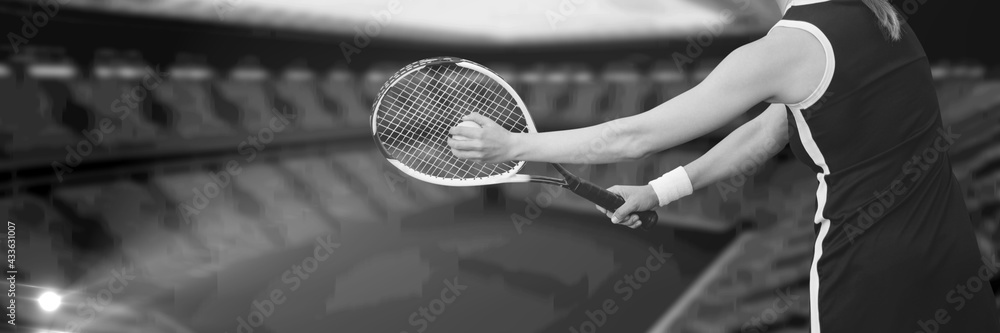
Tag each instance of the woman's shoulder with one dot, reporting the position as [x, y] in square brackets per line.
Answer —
[802, 55]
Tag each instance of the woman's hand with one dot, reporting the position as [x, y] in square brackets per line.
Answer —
[637, 199]
[489, 142]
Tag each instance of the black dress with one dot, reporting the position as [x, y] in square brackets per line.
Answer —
[895, 248]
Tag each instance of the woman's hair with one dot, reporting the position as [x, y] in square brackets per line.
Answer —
[887, 17]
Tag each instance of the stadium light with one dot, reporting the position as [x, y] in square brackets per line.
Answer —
[49, 301]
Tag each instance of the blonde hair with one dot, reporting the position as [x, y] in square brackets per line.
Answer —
[887, 17]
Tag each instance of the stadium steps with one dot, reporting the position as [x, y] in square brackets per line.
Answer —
[983, 191]
[744, 313]
[223, 224]
[280, 206]
[968, 155]
[975, 114]
[399, 195]
[744, 281]
[756, 273]
[328, 189]
[969, 100]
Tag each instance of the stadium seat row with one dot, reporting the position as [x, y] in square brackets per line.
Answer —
[54, 104]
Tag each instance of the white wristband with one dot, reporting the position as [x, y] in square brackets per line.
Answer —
[672, 186]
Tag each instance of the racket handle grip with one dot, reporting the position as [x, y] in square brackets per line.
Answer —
[609, 201]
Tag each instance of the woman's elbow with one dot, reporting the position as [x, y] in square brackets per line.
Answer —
[637, 151]
[634, 143]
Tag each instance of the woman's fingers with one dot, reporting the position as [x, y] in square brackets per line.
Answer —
[467, 154]
[624, 215]
[603, 211]
[633, 221]
[626, 209]
[466, 132]
[465, 144]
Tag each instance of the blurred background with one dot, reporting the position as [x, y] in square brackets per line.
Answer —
[207, 166]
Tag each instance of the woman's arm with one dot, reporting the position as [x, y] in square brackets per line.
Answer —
[754, 142]
[764, 70]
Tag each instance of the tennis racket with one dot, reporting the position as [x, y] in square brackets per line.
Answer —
[420, 103]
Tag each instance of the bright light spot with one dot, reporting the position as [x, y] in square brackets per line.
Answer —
[50, 301]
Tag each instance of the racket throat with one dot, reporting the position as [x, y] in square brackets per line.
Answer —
[537, 179]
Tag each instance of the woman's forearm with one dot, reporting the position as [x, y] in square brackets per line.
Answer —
[672, 123]
[748, 146]
[686, 117]
[608, 142]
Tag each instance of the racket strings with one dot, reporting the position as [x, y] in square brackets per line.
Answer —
[428, 161]
[419, 110]
[409, 157]
[494, 100]
[427, 164]
[467, 96]
[477, 97]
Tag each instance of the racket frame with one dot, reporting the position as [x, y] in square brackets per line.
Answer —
[510, 176]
